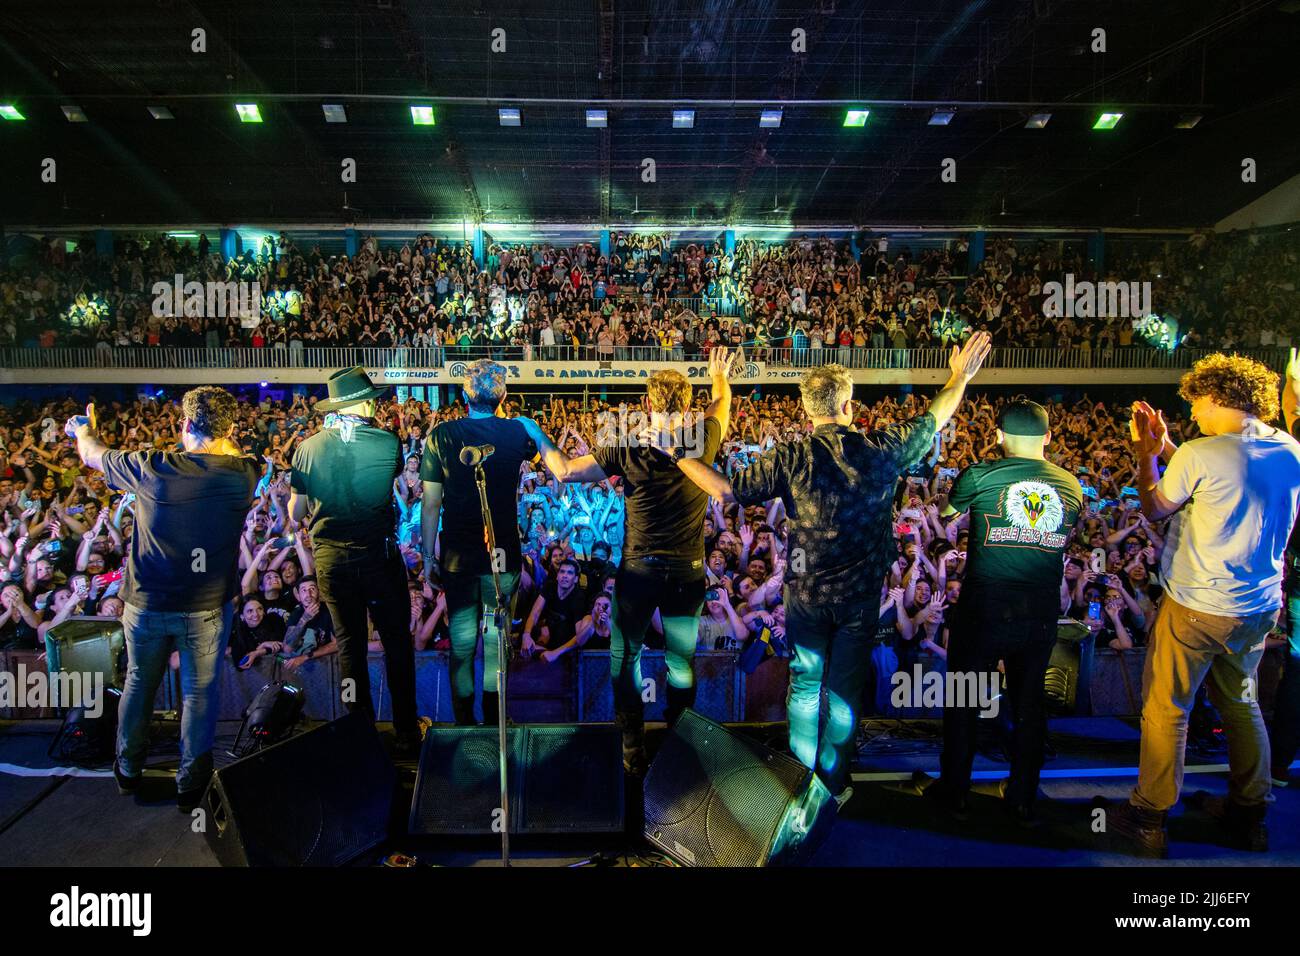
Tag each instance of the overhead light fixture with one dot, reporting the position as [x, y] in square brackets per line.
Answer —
[75, 114]
[1187, 120]
[1108, 120]
[10, 112]
[422, 115]
[942, 117]
[160, 112]
[1038, 121]
[597, 119]
[769, 119]
[683, 119]
[856, 117]
[508, 117]
[334, 112]
[248, 113]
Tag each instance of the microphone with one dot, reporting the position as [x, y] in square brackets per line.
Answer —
[474, 454]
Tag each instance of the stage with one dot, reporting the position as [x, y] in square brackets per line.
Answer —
[52, 816]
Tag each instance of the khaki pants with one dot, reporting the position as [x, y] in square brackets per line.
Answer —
[1187, 646]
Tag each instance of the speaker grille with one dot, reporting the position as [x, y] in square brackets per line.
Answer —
[458, 789]
[574, 781]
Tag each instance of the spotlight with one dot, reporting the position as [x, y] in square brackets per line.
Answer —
[75, 114]
[248, 113]
[1038, 121]
[1108, 120]
[508, 117]
[160, 112]
[422, 115]
[10, 112]
[264, 384]
[334, 112]
[597, 119]
[942, 117]
[856, 117]
[683, 119]
[1187, 120]
[769, 119]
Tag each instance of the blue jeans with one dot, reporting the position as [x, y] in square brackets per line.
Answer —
[151, 636]
[468, 597]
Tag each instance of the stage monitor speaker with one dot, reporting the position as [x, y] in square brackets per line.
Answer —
[1067, 682]
[320, 798]
[562, 778]
[716, 798]
[91, 645]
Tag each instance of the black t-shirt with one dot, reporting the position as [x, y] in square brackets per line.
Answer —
[1022, 511]
[189, 513]
[316, 631]
[561, 615]
[462, 518]
[665, 509]
[349, 484]
[244, 639]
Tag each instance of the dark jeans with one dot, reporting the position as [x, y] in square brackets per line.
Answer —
[644, 584]
[832, 653]
[1286, 709]
[469, 598]
[357, 581]
[1018, 628]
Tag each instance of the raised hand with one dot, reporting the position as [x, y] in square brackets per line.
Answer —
[965, 362]
[1148, 430]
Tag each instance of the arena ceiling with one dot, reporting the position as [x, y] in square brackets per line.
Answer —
[1230, 60]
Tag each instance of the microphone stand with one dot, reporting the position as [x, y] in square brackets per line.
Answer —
[499, 618]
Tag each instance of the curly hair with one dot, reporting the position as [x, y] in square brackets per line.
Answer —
[485, 385]
[669, 392]
[1234, 381]
[211, 409]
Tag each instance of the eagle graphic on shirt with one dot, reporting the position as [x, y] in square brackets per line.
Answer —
[1033, 513]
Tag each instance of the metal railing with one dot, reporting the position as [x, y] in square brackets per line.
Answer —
[159, 357]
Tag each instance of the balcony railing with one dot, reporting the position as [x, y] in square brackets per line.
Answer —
[158, 358]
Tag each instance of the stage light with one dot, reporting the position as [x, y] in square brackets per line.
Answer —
[264, 384]
[334, 112]
[10, 112]
[248, 113]
[508, 117]
[1038, 121]
[1108, 120]
[75, 114]
[856, 117]
[942, 117]
[769, 119]
[1187, 120]
[160, 112]
[422, 115]
[683, 119]
[597, 119]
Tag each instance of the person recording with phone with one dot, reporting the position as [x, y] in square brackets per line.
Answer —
[459, 555]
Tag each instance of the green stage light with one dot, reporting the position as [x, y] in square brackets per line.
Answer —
[248, 112]
[422, 115]
[856, 117]
[1108, 120]
[10, 112]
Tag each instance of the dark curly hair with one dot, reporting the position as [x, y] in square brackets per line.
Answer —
[211, 409]
[1234, 381]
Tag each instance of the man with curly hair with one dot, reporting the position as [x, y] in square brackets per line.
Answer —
[1232, 495]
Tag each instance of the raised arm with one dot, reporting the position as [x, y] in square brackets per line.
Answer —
[963, 363]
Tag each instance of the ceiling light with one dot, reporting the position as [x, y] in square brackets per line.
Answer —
[248, 113]
[334, 112]
[769, 119]
[75, 114]
[856, 117]
[1038, 121]
[10, 112]
[1187, 121]
[422, 115]
[597, 119]
[942, 117]
[160, 112]
[508, 117]
[683, 119]
[1108, 120]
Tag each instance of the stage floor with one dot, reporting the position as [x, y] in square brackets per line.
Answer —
[52, 816]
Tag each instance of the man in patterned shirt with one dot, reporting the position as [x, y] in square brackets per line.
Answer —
[838, 488]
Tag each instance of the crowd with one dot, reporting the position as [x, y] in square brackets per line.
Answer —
[65, 532]
[654, 298]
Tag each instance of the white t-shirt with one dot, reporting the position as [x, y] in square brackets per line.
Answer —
[1223, 554]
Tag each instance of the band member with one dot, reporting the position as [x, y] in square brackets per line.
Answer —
[466, 568]
[182, 576]
[1022, 509]
[1232, 496]
[838, 488]
[345, 473]
[663, 551]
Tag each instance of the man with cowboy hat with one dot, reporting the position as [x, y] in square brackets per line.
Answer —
[345, 473]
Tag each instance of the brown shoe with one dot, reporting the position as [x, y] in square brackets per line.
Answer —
[1137, 830]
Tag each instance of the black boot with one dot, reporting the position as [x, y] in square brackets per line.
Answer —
[1137, 830]
[679, 699]
[634, 755]
[491, 711]
[462, 709]
[1244, 824]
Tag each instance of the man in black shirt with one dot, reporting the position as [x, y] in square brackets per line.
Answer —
[181, 576]
[1022, 509]
[467, 569]
[663, 549]
[838, 489]
[345, 472]
[553, 620]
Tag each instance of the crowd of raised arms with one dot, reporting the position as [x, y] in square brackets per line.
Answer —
[672, 299]
[64, 533]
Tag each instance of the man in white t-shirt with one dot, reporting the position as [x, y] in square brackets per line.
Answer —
[1233, 497]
